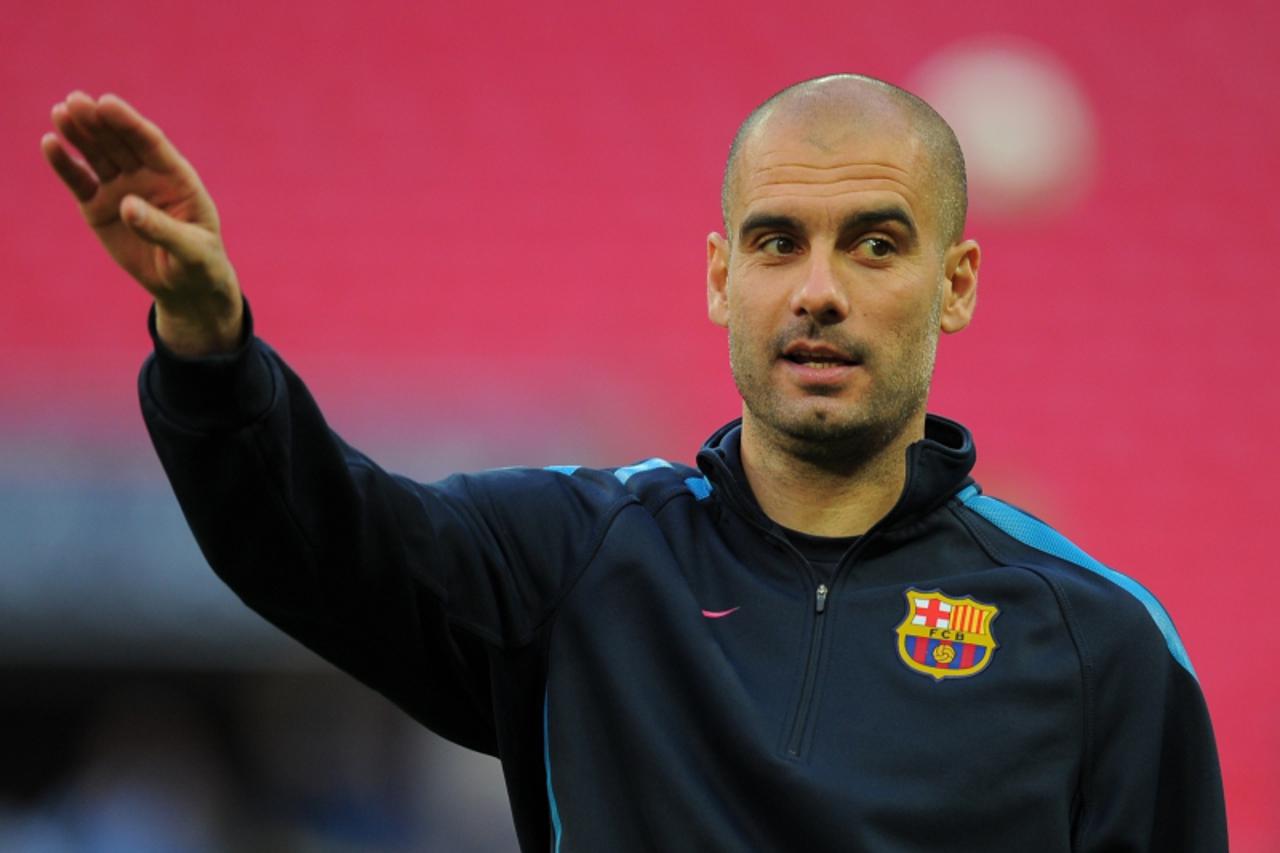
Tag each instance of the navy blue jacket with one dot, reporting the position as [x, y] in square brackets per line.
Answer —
[659, 669]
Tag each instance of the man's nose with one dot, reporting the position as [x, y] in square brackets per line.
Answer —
[821, 295]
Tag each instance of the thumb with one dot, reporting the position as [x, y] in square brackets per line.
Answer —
[152, 224]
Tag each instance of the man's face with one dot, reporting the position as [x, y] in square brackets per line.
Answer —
[834, 281]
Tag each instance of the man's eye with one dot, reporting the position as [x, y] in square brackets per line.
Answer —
[779, 246]
[876, 248]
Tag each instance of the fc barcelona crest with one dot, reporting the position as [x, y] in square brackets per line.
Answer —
[945, 637]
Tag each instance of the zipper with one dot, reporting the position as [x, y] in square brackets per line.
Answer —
[757, 519]
[810, 672]
[808, 686]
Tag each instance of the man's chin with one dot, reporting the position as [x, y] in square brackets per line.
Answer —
[825, 429]
[823, 433]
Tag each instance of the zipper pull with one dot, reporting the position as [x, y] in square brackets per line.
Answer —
[822, 597]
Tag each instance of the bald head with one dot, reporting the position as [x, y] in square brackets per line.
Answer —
[853, 100]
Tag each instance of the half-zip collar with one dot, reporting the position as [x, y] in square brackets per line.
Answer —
[938, 466]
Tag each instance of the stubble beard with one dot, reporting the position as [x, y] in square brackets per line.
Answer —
[840, 439]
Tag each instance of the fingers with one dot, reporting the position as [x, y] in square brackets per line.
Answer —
[186, 242]
[144, 141]
[113, 137]
[87, 117]
[75, 175]
[78, 134]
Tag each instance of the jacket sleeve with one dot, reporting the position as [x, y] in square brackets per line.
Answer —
[1151, 780]
[411, 588]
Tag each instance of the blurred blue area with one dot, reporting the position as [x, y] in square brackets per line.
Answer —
[107, 572]
[126, 761]
[144, 708]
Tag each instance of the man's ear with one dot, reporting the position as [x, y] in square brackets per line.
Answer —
[960, 266]
[717, 279]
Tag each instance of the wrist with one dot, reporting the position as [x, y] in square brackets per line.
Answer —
[212, 328]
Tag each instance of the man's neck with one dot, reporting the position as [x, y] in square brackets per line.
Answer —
[832, 497]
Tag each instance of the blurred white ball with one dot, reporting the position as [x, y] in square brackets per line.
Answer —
[1022, 120]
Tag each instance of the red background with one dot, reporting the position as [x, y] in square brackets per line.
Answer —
[478, 231]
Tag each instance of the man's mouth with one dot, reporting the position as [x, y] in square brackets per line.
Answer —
[818, 356]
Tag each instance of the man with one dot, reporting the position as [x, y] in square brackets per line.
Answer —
[822, 638]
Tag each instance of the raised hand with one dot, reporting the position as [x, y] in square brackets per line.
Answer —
[150, 210]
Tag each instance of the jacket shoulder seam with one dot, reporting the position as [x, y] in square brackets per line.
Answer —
[552, 605]
[1078, 641]
[1033, 533]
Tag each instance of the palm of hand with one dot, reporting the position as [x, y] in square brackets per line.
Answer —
[155, 267]
[130, 169]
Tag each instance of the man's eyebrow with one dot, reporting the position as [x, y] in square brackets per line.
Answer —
[852, 222]
[862, 219]
[768, 222]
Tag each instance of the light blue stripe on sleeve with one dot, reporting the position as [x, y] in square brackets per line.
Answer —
[546, 759]
[1042, 537]
[700, 486]
[624, 474]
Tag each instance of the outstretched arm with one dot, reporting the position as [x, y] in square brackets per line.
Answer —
[433, 594]
[155, 218]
